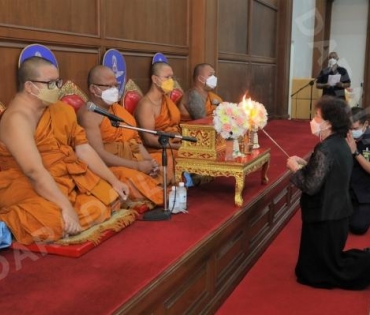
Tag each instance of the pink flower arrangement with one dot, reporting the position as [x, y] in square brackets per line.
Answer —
[230, 120]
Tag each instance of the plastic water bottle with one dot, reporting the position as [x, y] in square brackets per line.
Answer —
[173, 200]
[183, 197]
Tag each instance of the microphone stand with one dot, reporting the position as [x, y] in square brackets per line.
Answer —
[164, 213]
[311, 82]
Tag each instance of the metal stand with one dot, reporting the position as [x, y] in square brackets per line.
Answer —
[312, 82]
[158, 214]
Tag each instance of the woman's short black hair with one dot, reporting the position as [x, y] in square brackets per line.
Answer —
[337, 112]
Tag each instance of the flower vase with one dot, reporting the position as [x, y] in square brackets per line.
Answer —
[229, 148]
[242, 142]
[248, 145]
[236, 149]
[253, 138]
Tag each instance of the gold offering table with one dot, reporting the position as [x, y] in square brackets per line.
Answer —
[207, 157]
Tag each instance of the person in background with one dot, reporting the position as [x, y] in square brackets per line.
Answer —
[199, 101]
[359, 142]
[334, 72]
[120, 148]
[326, 205]
[156, 111]
[52, 182]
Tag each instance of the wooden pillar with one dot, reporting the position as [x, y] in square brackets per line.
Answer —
[366, 83]
[203, 33]
[321, 35]
[283, 58]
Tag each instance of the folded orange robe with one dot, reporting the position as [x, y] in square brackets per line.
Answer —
[125, 142]
[209, 103]
[168, 121]
[29, 216]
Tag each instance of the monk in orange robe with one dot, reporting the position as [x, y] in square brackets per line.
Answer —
[120, 148]
[156, 111]
[52, 183]
[199, 101]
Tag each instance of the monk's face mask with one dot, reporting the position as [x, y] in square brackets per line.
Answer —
[110, 96]
[46, 95]
[167, 86]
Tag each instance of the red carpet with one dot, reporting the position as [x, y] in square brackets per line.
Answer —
[107, 276]
[270, 286]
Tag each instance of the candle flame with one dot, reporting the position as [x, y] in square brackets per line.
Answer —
[247, 104]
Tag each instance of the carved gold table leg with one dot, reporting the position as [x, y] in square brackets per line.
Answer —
[239, 186]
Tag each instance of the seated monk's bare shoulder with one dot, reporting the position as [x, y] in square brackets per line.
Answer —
[20, 112]
[88, 119]
[146, 113]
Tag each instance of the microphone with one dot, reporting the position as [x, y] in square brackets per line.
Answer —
[215, 102]
[173, 135]
[188, 138]
[96, 109]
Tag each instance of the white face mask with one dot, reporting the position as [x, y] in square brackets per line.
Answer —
[211, 82]
[315, 127]
[357, 133]
[332, 62]
[110, 96]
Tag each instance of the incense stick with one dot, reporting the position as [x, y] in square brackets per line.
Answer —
[282, 150]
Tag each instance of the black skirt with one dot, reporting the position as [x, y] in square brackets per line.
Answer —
[322, 262]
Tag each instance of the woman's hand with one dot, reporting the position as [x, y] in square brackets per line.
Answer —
[294, 163]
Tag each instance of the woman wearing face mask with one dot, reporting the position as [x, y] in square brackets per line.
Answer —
[323, 80]
[359, 142]
[326, 205]
[199, 101]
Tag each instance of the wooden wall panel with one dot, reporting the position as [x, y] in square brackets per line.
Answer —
[67, 16]
[230, 35]
[74, 65]
[262, 87]
[233, 26]
[264, 30]
[255, 80]
[234, 80]
[8, 67]
[164, 22]
[272, 3]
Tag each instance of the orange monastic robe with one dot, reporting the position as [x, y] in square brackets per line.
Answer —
[168, 121]
[29, 216]
[125, 142]
[210, 107]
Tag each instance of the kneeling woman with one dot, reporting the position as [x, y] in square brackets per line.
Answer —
[326, 205]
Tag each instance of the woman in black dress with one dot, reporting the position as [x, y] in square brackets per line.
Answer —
[326, 205]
